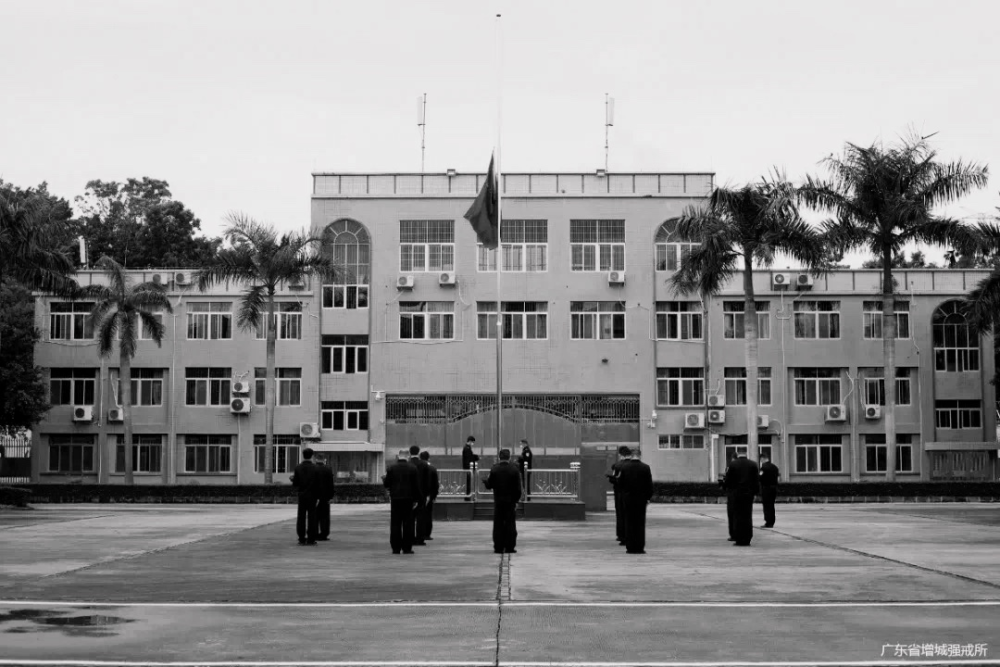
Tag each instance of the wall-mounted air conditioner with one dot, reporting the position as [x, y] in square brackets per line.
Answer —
[447, 278]
[781, 279]
[239, 406]
[836, 413]
[616, 277]
[716, 416]
[717, 401]
[404, 282]
[83, 413]
[803, 280]
[694, 420]
[241, 387]
[183, 278]
[763, 421]
[309, 430]
[873, 412]
[116, 415]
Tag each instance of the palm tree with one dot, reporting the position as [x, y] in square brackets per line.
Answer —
[262, 260]
[739, 230]
[120, 310]
[982, 306]
[881, 199]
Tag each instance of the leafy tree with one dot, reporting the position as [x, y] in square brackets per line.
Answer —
[23, 393]
[916, 261]
[120, 310]
[261, 260]
[881, 198]
[982, 305]
[740, 230]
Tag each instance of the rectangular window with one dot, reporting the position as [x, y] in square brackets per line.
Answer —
[147, 386]
[70, 320]
[817, 386]
[208, 454]
[875, 386]
[349, 297]
[73, 454]
[426, 245]
[147, 453]
[678, 320]
[818, 453]
[737, 444]
[597, 320]
[876, 452]
[680, 387]
[344, 416]
[525, 247]
[210, 320]
[288, 386]
[72, 386]
[286, 452]
[733, 320]
[289, 318]
[522, 320]
[681, 441]
[348, 289]
[817, 319]
[736, 385]
[426, 320]
[873, 319]
[597, 245]
[956, 348]
[958, 414]
[207, 386]
[344, 354]
[670, 256]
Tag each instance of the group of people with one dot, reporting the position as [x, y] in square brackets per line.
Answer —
[743, 480]
[313, 480]
[633, 486]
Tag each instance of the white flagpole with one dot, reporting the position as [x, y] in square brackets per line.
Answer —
[499, 255]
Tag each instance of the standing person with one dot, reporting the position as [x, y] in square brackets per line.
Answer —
[432, 493]
[623, 453]
[768, 489]
[468, 458]
[306, 480]
[402, 480]
[424, 479]
[505, 482]
[326, 489]
[730, 507]
[524, 462]
[636, 482]
[743, 482]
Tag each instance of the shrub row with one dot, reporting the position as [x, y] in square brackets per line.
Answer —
[12, 495]
[666, 492]
[190, 493]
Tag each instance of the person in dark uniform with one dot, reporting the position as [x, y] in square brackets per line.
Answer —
[524, 462]
[636, 483]
[403, 482]
[432, 493]
[326, 489]
[505, 482]
[743, 482]
[468, 458]
[768, 489]
[424, 478]
[306, 480]
[730, 516]
[623, 453]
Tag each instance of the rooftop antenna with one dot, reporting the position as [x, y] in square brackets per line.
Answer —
[422, 124]
[609, 120]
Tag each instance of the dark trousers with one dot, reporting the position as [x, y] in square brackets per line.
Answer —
[401, 525]
[305, 522]
[425, 521]
[468, 483]
[323, 517]
[504, 525]
[418, 522]
[619, 516]
[635, 524]
[731, 513]
[767, 496]
[742, 517]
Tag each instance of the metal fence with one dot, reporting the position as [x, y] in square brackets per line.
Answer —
[547, 483]
[15, 459]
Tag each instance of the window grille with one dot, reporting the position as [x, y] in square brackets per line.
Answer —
[443, 409]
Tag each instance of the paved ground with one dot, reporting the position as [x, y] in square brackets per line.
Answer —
[831, 584]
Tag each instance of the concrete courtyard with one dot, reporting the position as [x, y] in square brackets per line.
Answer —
[228, 584]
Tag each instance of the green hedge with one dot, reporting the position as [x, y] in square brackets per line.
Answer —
[194, 493]
[668, 492]
[12, 495]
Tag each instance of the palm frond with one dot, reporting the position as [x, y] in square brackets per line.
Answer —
[153, 324]
[115, 273]
[107, 330]
[128, 332]
[230, 265]
[952, 181]
[982, 305]
[252, 308]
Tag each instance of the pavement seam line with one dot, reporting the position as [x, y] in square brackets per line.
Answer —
[42, 522]
[499, 599]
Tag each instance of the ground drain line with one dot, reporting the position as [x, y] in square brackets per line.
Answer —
[49, 523]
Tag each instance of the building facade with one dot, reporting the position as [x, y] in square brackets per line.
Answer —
[597, 350]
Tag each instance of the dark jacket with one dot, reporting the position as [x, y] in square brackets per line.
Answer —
[468, 456]
[742, 476]
[616, 469]
[505, 482]
[403, 481]
[525, 459]
[423, 475]
[435, 484]
[326, 483]
[635, 481]
[769, 474]
[306, 480]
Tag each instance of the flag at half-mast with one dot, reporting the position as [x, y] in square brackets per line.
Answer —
[483, 213]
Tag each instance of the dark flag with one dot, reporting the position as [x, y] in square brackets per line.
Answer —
[483, 212]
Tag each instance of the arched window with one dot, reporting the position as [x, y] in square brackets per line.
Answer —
[956, 348]
[349, 246]
[670, 250]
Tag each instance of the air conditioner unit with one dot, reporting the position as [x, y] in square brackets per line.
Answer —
[763, 421]
[717, 401]
[182, 278]
[404, 282]
[694, 420]
[162, 279]
[781, 279]
[298, 282]
[83, 413]
[873, 412]
[803, 280]
[239, 406]
[836, 413]
[309, 430]
[616, 277]
[241, 387]
[116, 415]
[447, 278]
[716, 416]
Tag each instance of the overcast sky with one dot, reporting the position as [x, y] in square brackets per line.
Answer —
[236, 103]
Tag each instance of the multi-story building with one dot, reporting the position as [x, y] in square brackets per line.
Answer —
[597, 349]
